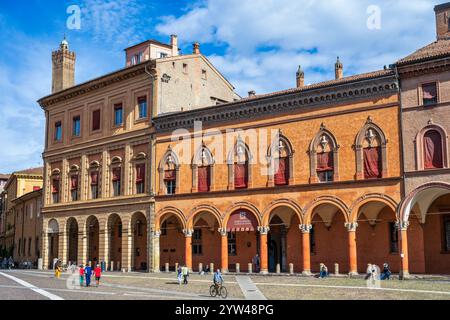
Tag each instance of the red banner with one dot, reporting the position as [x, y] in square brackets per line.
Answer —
[241, 221]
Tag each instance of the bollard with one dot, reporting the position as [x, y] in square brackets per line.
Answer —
[200, 267]
[291, 268]
[278, 268]
[111, 266]
[211, 268]
[118, 265]
[167, 267]
[336, 268]
[250, 267]
[238, 267]
[40, 264]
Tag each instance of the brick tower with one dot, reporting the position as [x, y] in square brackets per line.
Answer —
[63, 67]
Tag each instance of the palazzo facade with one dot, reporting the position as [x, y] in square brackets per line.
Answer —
[162, 164]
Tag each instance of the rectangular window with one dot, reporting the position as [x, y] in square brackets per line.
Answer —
[140, 178]
[393, 237]
[117, 172]
[142, 103]
[96, 120]
[185, 67]
[94, 184]
[232, 244]
[76, 126]
[163, 55]
[429, 94]
[197, 242]
[74, 187]
[58, 131]
[118, 114]
[55, 190]
[204, 74]
[447, 233]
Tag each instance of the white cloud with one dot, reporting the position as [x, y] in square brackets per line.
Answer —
[287, 28]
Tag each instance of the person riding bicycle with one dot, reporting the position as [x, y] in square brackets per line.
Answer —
[218, 279]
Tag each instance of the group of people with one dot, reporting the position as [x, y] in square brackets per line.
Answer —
[182, 274]
[7, 263]
[86, 272]
[372, 271]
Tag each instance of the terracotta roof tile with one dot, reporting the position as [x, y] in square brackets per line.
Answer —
[34, 171]
[434, 50]
[357, 77]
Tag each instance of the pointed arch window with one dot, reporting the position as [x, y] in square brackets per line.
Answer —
[202, 170]
[371, 152]
[280, 161]
[324, 156]
[169, 173]
[239, 174]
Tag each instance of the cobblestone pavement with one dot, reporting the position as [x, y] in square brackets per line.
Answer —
[163, 286]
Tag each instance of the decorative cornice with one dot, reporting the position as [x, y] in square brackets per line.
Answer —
[420, 67]
[95, 84]
[282, 103]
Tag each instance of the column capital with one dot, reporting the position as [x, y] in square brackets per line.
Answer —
[351, 226]
[264, 230]
[188, 233]
[156, 233]
[402, 225]
[223, 232]
[305, 228]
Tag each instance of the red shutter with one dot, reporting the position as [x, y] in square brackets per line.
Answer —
[116, 174]
[74, 182]
[325, 161]
[372, 163]
[94, 178]
[96, 120]
[55, 187]
[140, 173]
[169, 175]
[240, 176]
[282, 174]
[432, 144]
[203, 179]
[36, 188]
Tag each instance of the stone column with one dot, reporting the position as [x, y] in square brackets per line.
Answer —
[64, 192]
[224, 250]
[263, 231]
[103, 242]
[127, 172]
[156, 253]
[82, 243]
[306, 248]
[353, 262]
[47, 184]
[188, 248]
[83, 178]
[62, 242]
[403, 230]
[127, 238]
[44, 245]
[105, 175]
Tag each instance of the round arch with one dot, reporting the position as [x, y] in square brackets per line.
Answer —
[268, 213]
[335, 201]
[368, 198]
[53, 227]
[242, 206]
[204, 209]
[419, 144]
[164, 213]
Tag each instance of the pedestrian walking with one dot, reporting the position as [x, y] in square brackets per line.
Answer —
[58, 270]
[88, 274]
[10, 263]
[256, 262]
[185, 272]
[179, 275]
[386, 274]
[98, 275]
[81, 271]
[369, 271]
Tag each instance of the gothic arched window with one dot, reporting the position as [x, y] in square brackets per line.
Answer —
[169, 173]
[280, 157]
[202, 170]
[432, 147]
[239, 173]
[324, 157]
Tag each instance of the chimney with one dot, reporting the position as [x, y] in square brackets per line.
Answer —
[339, 69]
[300, 77]
[196, 46]
[252, 93]
[63, 67]
[174, 44]
[442, 13]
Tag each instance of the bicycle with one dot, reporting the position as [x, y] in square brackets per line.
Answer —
[218, 290]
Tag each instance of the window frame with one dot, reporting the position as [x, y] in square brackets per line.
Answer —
[434, 102]
[58, 129]
[76, 126]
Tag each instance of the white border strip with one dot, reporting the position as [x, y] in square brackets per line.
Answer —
[46, 294]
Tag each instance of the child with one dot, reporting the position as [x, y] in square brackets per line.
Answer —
[81, 275]
[98, 274]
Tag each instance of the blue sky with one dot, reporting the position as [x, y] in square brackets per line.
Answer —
[257, 44]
